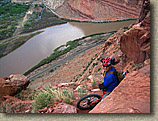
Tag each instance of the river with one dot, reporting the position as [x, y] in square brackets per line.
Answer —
[42, 45]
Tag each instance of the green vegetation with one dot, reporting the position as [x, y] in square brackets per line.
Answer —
[102, 21]
[10, 15]
[59, 48]
[99, 69]
[136, 65]
[94, 64]
[13, 9]
[51, 71]
[100, 35]
[94, 82]
[70, 45]
[4, 2]
[42, 100]
[82, 91]
[49, 95]
[13, 44]
[35, 22]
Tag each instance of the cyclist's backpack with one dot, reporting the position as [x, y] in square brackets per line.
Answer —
[118, 74]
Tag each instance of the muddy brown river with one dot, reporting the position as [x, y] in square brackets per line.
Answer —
[42, 45]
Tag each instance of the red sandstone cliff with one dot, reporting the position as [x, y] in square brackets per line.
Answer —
[97, 9]
[133, 93]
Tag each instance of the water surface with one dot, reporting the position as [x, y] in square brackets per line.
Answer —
[42, 45]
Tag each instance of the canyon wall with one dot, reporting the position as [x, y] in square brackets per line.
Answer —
[96, 9]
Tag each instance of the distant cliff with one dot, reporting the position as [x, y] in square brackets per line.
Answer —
[96, 9]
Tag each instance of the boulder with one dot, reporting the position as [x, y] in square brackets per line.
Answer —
[6, 88]
[131, 96]
[64, 108]
[18, 80]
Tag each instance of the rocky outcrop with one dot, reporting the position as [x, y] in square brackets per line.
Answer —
[59, 108]
[6, 88]
[135, 43]
[131, 96]
[96, 9]
[64, 108]
[9, 86]
[15, 105]
[19, 81]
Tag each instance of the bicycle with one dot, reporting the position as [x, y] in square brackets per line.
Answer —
[89, 101]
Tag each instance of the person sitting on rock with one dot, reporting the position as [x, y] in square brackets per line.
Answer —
[110, 79]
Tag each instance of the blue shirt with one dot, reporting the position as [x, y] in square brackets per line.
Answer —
[110, 82]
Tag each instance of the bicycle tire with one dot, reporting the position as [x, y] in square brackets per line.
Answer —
[86, 99]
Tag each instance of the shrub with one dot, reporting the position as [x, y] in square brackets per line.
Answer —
[41, 101]
[94, 82]
[52, 70]
[58, 94]
[94, 64]
[99, 69]
[82, 91]
[67, 96]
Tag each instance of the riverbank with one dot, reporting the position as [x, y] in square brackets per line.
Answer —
[66, 52]
[34, 23]
[99, 21]
[11, 44]
[46, 19]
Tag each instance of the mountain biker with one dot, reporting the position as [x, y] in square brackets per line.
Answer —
[110, 80]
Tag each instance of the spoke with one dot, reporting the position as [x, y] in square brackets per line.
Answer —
[84, 103]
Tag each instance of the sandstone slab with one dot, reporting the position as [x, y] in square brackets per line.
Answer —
[131, 96]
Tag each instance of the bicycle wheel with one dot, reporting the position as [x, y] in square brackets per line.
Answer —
[88, 102]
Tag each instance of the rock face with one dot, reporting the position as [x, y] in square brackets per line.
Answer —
[135, 43]
[19, 81]
[6, 88]
[96, 9]
[132, 96]
[64, 108]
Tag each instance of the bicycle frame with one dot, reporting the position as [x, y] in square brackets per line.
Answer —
[98, 99]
